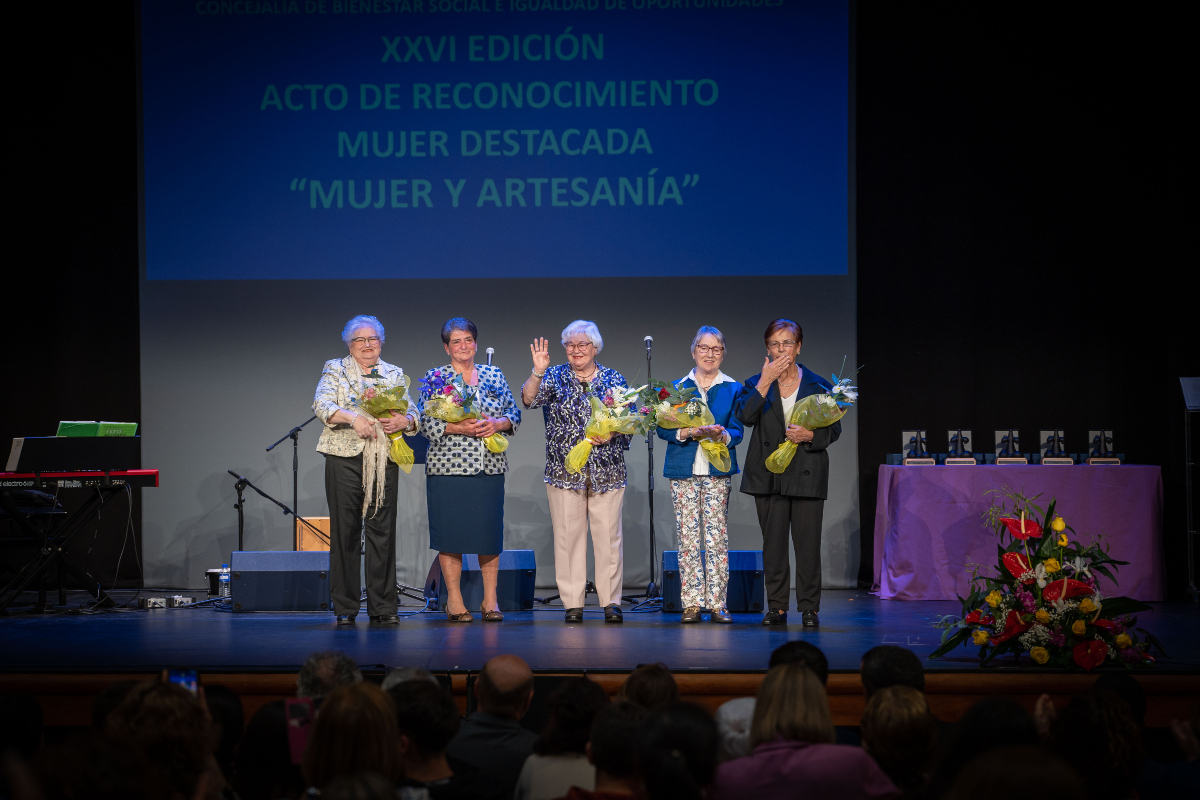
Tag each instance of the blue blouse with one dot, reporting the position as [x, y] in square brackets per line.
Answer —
[456, 454]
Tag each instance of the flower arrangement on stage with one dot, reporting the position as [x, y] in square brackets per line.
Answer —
[451, 399]
[1045, 598]
[382, 400]
[617, 411]
[813, 412]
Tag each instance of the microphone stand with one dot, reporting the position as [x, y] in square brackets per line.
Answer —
[294, 435]
[243, 483]
[652, 590]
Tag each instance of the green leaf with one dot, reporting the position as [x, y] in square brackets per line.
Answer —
[951, 643]
[1152, 639]
[1117, 606]
[1104, 571]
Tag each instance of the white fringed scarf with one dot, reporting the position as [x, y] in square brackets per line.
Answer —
[375, 454]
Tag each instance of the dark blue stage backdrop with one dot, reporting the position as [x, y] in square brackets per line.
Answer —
[654, 165]
[494, 138]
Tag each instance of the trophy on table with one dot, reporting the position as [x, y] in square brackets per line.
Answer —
[1054, 450]
[960, 453]
[1101, 450]
[916, 454]
[1008, 448]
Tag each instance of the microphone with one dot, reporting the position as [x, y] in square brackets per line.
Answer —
[649, 341]
[490, 351]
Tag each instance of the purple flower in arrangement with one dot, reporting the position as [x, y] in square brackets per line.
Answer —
[1130, 654]
[447, 390]
[608, 401]
[1058, 638]
[645, 409]
[458, 401]
[1027, 602]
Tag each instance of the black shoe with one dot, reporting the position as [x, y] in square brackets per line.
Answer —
[385, 619]
[722, 615]
[775, 617]
[574, 615]
[690, 614]
[809, 619]
[612, 613]
[345, 619]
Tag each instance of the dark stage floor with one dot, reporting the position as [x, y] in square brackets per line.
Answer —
[852, 622]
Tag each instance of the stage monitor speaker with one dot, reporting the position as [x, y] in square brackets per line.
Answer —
[746, 592]
[514, 589]
[280, 580]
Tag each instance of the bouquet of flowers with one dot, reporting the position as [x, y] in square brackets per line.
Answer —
[691, 413]
[617, 412]
[1045, 599]
[814, 411]
[381, 401]
[451, 399]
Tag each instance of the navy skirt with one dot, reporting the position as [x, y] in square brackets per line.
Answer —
[466, 513]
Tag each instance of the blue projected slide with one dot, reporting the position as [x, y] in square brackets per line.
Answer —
[494, 138]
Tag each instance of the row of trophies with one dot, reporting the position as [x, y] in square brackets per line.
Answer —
[1052, 450]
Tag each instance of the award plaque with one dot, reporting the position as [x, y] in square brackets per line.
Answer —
[916, 454]
[960, 453]
[1008, 448]
[1054, 450]
[1100, 449]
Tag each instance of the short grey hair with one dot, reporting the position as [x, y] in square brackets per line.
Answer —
[588, 329]
[325, 671]
[405, 674]
[361, 321]
[707, 330]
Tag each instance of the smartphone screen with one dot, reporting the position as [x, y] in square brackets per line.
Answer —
[187, 678]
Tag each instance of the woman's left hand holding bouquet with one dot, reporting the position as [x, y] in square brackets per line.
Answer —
[798, 434]
[600, 438]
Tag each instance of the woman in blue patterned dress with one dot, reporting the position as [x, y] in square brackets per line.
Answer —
[464, 481]
[594, 495]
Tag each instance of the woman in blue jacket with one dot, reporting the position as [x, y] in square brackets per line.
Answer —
[699, 490]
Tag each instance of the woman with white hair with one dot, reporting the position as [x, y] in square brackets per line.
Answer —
[594, 495]
[699, 488]
[361, 482]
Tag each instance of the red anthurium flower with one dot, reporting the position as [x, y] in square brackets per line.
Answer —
[1030, 529]
[1065, 589]
[989, 620]
[973, 616]
[1090, 654]
[1018, 565]
[1013, 626]
[1107, 624]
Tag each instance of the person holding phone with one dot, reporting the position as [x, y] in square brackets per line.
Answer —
[795, 500]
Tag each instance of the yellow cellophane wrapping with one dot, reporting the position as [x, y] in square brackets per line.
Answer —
[674, 417]
[601, 422]
[812, 412]
[443, 408]
[384, 406]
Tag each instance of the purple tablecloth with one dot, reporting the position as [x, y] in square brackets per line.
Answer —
[929, 524]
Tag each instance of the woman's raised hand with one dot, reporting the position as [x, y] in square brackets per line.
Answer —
[774, 369]
[540, 349]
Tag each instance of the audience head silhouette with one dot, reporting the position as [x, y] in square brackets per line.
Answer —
[889, 665]
[650, 686]
[325, 671]
[505, 687]
[354, 731]
[800, 652]
[791, 705]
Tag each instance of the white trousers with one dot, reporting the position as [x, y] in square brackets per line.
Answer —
[571, 511]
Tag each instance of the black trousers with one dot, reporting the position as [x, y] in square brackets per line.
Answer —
[776, 514]
[344, 493]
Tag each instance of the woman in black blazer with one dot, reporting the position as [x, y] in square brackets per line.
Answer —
[795, 499]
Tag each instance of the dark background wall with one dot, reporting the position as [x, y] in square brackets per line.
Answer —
[1022, 191]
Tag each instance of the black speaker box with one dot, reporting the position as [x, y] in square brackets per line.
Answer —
[514, 589]
[747, 592]
[280, 580]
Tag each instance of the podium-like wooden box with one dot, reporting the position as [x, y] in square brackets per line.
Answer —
[304, 539]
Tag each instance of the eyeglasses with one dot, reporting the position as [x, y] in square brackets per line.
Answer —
[705, 350]
[360, 341]
[784, 345]
[582, 346]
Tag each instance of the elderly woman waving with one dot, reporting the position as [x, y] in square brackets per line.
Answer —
[361, 482]
[464, 481]
[594, 495]
[699, 488]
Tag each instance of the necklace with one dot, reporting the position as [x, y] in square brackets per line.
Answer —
[790, 381]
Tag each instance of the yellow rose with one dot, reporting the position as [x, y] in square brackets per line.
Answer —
[979, 637]
[1124, 641]
[1052, 565]
[1043, 616]
[1078, 627]
[1039, 654]
[1086, 606]
[993, 599]
[1058, 525]
[1062, 540]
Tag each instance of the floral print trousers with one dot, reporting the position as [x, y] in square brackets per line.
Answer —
[701, 508]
